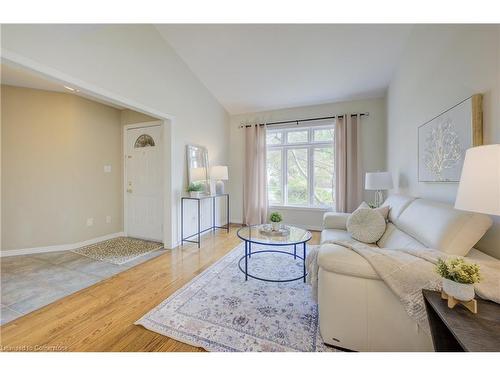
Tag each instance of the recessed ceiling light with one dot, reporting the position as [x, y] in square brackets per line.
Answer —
[71, 89]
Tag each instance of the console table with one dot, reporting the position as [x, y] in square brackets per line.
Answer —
[459, 330]
[213, 227]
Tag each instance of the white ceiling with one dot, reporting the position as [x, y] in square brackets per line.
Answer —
[253, 68]
[16, 76]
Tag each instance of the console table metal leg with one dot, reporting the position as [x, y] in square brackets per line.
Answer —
[246, 260]
[227, 213]
[295, 251]
[249, 249]
[213, 215]
[182, 222]
[304, 261]
[199, 223]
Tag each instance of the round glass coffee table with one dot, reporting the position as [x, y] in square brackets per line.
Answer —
[254, 235]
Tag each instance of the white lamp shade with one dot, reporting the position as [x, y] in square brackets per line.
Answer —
[378, 181]
[479, 188]
[219, 172]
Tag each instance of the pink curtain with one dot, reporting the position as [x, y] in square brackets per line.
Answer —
[255, 181]
[348, 170]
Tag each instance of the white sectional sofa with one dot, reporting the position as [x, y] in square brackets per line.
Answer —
[357, 310]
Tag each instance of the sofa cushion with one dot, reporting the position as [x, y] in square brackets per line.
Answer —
[397, 204]
[366, 225]
[339, 259]
[335, 220]
[330, 235]
[393, 238]
[440, 226]
[475, 254]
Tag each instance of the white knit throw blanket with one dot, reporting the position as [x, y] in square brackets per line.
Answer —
[406, 272]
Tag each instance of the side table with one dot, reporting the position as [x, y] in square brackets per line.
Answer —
[458, 329]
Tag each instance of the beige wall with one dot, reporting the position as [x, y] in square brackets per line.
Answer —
[54, 148]
[131, 117]
[441, 66]
[134, 65]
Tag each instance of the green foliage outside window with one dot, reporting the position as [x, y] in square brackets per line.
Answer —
[310, 173]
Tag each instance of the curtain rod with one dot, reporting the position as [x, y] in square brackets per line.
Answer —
[297, 122]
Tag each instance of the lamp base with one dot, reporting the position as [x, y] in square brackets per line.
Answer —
[379, 198]
[219, 187]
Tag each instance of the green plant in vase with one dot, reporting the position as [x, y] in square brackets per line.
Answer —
[459, 277]
[275, 218]
[195, 189]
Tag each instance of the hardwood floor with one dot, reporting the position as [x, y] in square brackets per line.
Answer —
[101, 317]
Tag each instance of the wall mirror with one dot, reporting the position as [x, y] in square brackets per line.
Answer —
[197, 161]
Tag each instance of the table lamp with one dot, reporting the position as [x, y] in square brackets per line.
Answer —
[219, 173]
[378, 181]
[479, 187]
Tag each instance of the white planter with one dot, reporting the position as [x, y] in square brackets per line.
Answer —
[462, 292]
[195, 194]
[275, 226]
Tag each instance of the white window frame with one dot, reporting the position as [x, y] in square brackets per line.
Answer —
[310, 145]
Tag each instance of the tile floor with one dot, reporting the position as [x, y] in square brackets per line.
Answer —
[29, 282]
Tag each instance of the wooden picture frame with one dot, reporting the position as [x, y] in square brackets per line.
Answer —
[443, 140]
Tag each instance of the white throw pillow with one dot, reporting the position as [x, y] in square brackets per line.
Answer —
[366, 225]
[384, 210]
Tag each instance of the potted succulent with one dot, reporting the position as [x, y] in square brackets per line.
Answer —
[195, 190]
[459, 278]
[275, 219]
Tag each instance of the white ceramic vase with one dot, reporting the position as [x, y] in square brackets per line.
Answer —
[462, 292]
[195, 194]
[275, 226]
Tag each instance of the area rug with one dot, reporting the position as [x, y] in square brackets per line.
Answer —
[119, 250]
[219, 311]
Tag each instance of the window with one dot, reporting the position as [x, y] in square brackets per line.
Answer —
[274, 176]
[144, 140]
[300, 136]
[300, 166]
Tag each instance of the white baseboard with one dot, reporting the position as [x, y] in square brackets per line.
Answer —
[238, 222]
[304, 226]
[315, 228]
[307, 227]
[49, 249]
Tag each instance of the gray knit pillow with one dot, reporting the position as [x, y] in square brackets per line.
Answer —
[366, 225]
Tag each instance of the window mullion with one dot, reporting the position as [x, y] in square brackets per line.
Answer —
[284, 175]
[310, 175]
[310, 167]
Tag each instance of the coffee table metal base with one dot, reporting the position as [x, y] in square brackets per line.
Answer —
[249, 253]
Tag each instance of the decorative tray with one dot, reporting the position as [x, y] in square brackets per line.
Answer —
[267, 230]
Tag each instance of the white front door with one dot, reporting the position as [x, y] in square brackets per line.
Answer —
[144, 183]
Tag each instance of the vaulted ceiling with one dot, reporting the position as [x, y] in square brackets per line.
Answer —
[253, 68]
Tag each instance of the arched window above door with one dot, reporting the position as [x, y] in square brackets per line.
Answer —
[144, 140]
